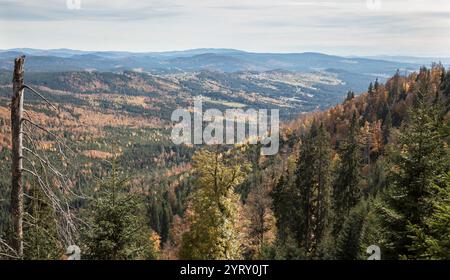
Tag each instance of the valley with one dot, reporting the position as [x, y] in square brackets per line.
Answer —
[118, 118]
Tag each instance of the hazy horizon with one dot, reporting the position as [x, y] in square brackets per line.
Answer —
[374, 56]
[346, 28]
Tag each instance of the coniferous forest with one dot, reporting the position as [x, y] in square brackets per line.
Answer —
[222, 139]
[373, 170]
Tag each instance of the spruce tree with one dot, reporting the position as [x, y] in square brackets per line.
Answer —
[387, 126]
[437, 240]
[370, 112]
[370, 89]
[313, 189]
[421, 160]
[40, 231]
[350, 95]
[445, 83]
[165, 220]
[376, 85]
[346, 186]
[283, 205]
[348, 242]
[395, 89]
[117, 230]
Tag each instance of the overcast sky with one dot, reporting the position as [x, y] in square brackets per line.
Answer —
[343, 27]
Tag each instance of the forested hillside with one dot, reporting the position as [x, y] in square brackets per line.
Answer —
[157, 95]
[373, 170]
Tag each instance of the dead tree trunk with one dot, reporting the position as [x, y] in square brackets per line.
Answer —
[16, 181]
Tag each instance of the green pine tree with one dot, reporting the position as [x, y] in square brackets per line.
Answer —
[387, 126]
[117, 230]
[348, 243]
[313, 189]
[40, 228]
[370, 89]
[422, 158]
[439, 223]
[283, 203]
[434, 239]
[346, 186]
[376, 85]
[395, 89]
[350, 95]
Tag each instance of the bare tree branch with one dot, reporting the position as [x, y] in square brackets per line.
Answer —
[48, 131]
[8, 248]
[41, 96]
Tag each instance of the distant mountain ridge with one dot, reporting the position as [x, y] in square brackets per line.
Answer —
[413, 59]
[224, 60]
[326, 76]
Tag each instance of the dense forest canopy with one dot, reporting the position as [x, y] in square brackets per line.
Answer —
[374, 170]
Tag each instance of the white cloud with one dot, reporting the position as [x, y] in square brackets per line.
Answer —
[414, 27]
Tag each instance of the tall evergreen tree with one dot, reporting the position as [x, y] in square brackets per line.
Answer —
[346, 186]
[376, 85]
[445, 82]
[422, 159]
[395, 88]
[313, 188]
[371, 111]
[350, 95]
[434, 239]
[370, 89]
[117, 230]
[165, 221]
[40, 235]
[348, 242]
[283, 201]
[387, 126]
